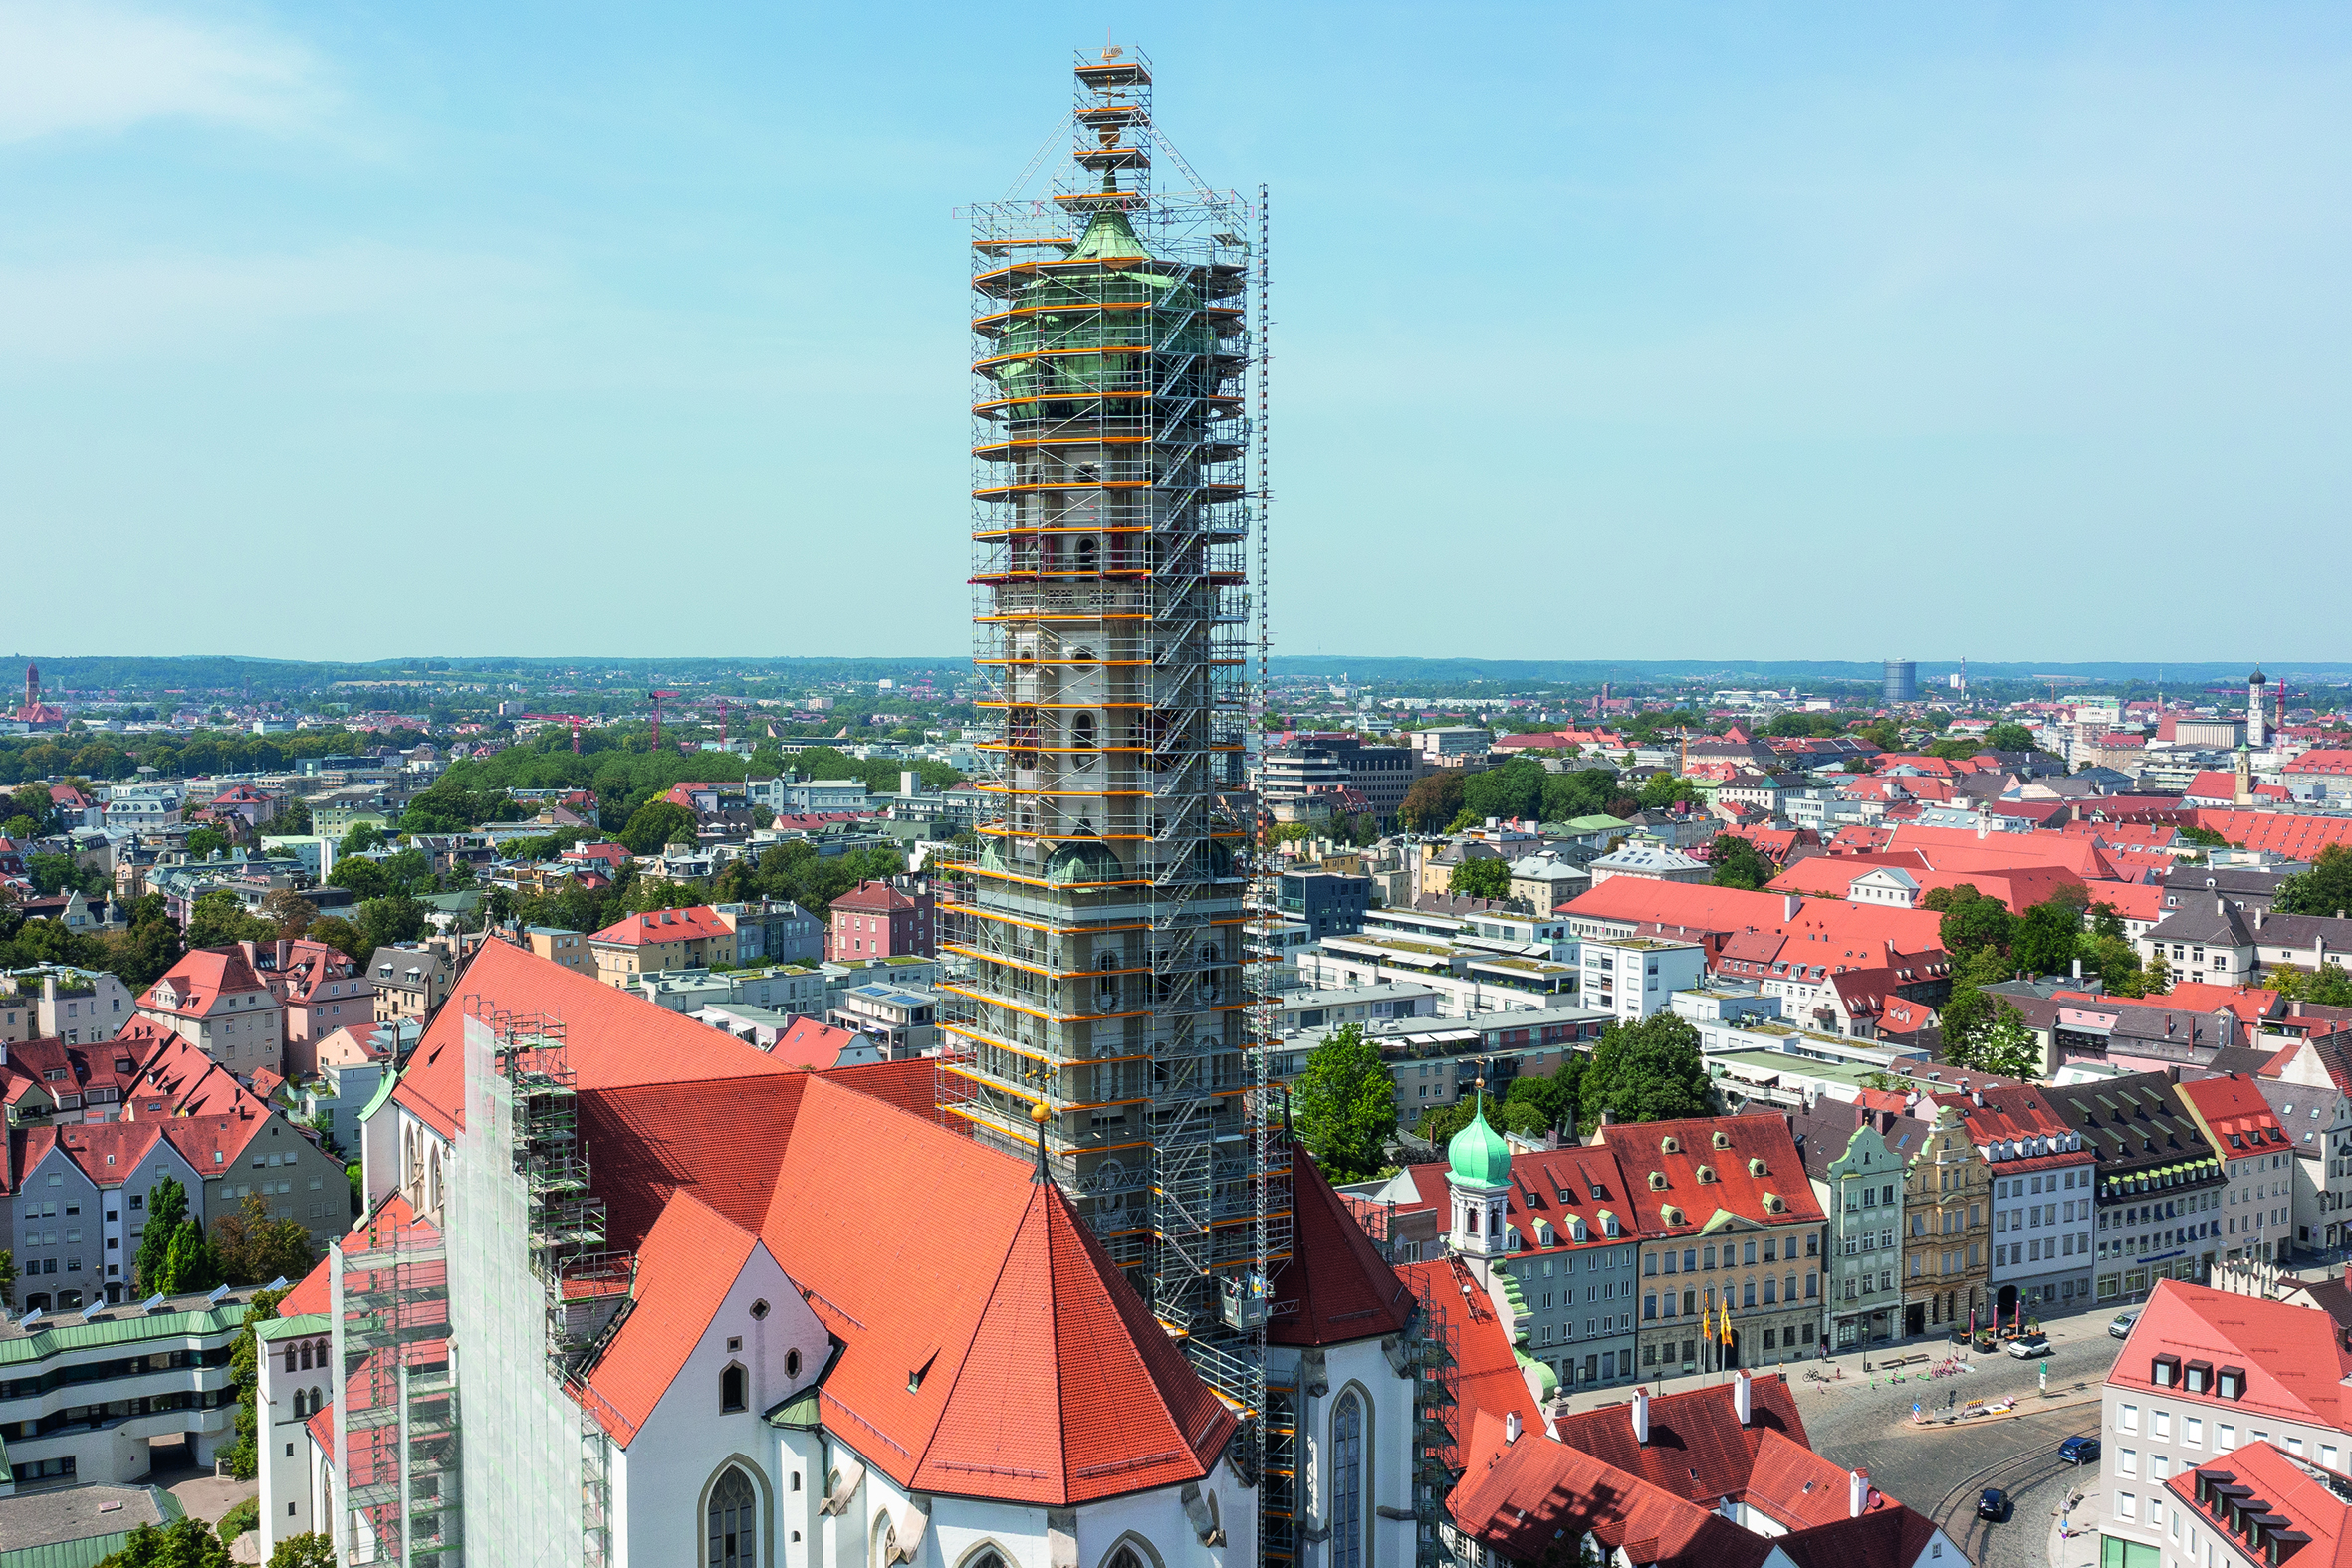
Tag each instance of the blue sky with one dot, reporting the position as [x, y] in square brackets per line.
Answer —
[1790, 331]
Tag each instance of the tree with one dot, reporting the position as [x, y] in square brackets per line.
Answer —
[206, 843]
[1551, 1096]
[1971, 922]
[409, 869]
[655, 823]
[291, 912]
[1661, 792]
[2203, 836]
[1515, 789]
[2325, 889]
[243, 1454]
[1484, 877]
[1956, 748]
[219, 918]
[2009, 737]
[1440, 1123]
[253, 1248]
[1588, 792]
[1345, 1104]
[186, 1542]
[395, 917]
[189, 1265]
[1970, 1007]
[363, 837]
[1645, 1072]
[2047, 938]
[340, 935]
[310, 1550]
[1738, 863]
[8, 1278]
[2328, 985]
[1883, 735]
[363, 877]
[2003, 1044]
[1433, 801]
[168, 1206]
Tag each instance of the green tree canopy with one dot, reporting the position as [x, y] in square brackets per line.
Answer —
[1648, 1071]
[186, 1542]
[219, 918]
[253, 1246]
[1588, 792]
[1515, 789]
[2325, 889]
[1552, 1095]
[1432, 800]
[310, 1550]
[205, 842]
[1971, 922]
[1738, 863]
[2009, 737]
[655, 823]
[1345, 1105]
[1484, 877]
[2047, 938]
[2002, 1043]
[363, 877]
[363, 837]
[168, 1206]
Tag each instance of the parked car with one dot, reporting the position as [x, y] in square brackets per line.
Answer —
[2121, 1328]
[2028, 1346]
[2080, 1450]
[1995, 1504]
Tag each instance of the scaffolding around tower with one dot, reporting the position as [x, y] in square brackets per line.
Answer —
[1099, 921]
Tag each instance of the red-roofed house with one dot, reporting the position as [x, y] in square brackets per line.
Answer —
[213, 999]
[321, 988]
[661, 939]
[2263, 1507]
[2258, 1213]
[2204, 1374]
[882, 920]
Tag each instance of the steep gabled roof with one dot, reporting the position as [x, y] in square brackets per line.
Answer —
[199, 980]
[2294, 1357]
[1697, 1450]
[1334, 1287]
[684, 1265]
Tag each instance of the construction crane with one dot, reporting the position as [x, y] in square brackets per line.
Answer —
[571, 719]
[657, 696]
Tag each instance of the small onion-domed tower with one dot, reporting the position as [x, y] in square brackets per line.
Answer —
[1478, 1174]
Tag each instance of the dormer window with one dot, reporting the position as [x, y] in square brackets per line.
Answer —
[2229, 1383]
[2165, 1372]
[2198, 1377]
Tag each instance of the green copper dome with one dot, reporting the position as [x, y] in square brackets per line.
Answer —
[1478, 1155]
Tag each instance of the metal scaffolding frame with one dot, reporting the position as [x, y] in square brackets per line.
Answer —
[1100, 922]
[396, 1423]
[1437, 1458]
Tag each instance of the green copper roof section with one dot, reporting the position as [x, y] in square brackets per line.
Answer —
[303, 1325]
[383, 1092]
[1547, 1380]
[1108, 234]
[1478, 1155]
[52, 1335]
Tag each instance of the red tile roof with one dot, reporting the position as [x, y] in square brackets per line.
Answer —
[2286, 1488]
[1487, 1379]
[2302, 837]
[690, 1249]
[873, 898]
[199, 981]
[2295, 1359]
[612, 1037]
[808, 1043]
[2234, 1112]
[2251, 1005]
[1824, 931]
[1335, 1287]
[1694, 1429]
[1732, 1182]
[665, 925]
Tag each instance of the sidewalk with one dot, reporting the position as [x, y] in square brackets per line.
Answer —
[2077, 1545]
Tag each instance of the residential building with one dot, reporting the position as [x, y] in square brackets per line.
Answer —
[2161, 1182]
[905, 1022]
[661, 939]
[882, 919]
[1636, 978]
[2205, 1379]
[411, 981]
[1325, 901]
[791, 796]
[1549, 1237]
[2257, 1213]
[77, 1005]
[566, 949]
[1642, 857]
[1450, 745]
[772, 931]
[1432, 1059]
[1947, 1241]
[1546, 882]
[350, 1065]
[213, 999]
[321, 988]
[1313, 1010]
[720, 811]
[788, 988]
[2310, 1089]
[1728, 1223]
[1855, 1160]
[83, 1396]
[2042, 1176]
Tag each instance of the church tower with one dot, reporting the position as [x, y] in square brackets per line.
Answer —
[2256, 720]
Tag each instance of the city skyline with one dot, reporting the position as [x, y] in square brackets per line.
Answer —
[1955, 314]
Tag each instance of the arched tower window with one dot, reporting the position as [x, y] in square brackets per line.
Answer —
[731, 1390]
[1348, 1482]
[734, 1527]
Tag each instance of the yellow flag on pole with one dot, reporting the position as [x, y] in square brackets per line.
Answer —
[1725, 1337]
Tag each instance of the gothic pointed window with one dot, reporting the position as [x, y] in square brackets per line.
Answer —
[734, 1529]
[1348, 1482]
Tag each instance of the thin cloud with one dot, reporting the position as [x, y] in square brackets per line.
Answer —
[76, 67]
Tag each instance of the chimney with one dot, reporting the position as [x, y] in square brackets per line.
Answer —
[1743, 1397]
[1641, 1416]
[1511, 1428]
[1791, 903]
[1608, 1118]
[1857, 1494]
[2078, 971]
